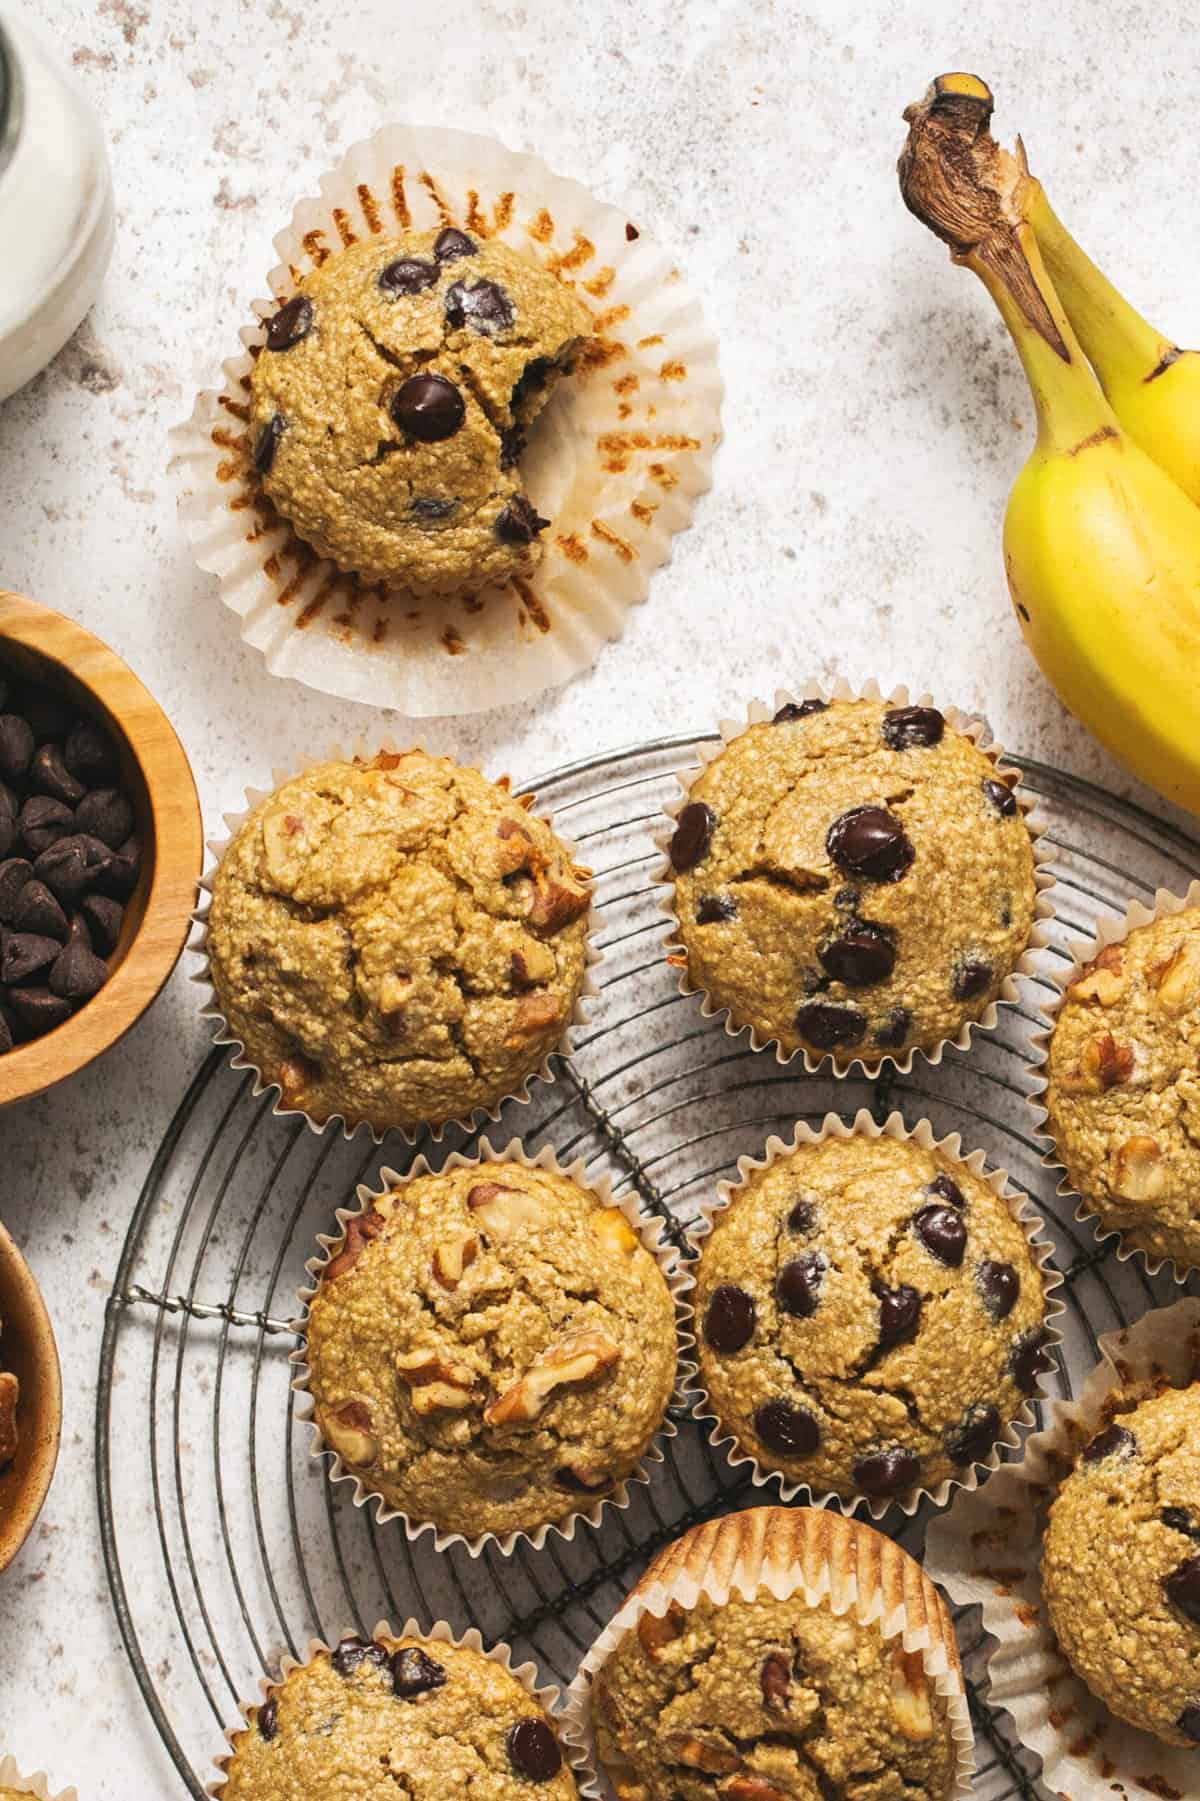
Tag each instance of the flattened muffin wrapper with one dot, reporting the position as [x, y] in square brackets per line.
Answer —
[1041, 1248]
[650, 1231]
[1112, 929]
[618, 462]
[830, 1560]
[547, 1695]
[986, 1551]
[38, 1785]
[223, 1034]
[759, 712]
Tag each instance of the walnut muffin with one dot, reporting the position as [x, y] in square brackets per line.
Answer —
[1123, 1087]
[853, 879]
[1132, 1505]
[408, 1716]
[492, 1349]
[390, 403]
[399, 941]
[870, 1317]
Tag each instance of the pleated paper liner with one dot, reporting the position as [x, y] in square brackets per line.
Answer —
[223, 1035]
[546, 1696]
[721, 1437]
[38, 1786]
[987, 1551]
[649, 1229]
[759, 713]
[828, 1560]
[616, 462]
[1113, 929]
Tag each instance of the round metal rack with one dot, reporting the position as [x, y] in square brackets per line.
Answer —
[225, 1544]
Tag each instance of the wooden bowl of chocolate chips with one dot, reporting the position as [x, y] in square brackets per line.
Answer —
[30, 1400]
[100, 848]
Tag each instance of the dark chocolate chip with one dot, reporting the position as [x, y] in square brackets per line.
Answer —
[78, 973]
[120, 878]
[714, 908]
[36, 910]
[1182, 1589]
[450, 244]
[729, 1318]
[802, 709]
[8, 820]
[533, 1751]
[104, 919]
[1108, 1443]
[975, 1434]
[48, 711]
[291, 324]
[791, 1431]
[946, 1189]
[887, 1472]
[518, 521]
[999, 1285]
[899, 1311]
[352, 1651]
[894, 1028]
[972, 977]
[89, 754]
[692, 835]
[942, 1232]
[870, 842]
[40, 1010]
[415, 1673]
[827, 1025]
[864, 954]
[1029, 1359]
[44, 821]
[798, 1287]
[428, 407]
[406, 276]
[14, 873]
[267, 443]
[775, 1681]
[48, 774]
[576, 1484]
[486, 308]
[107, 814]
[802, 1217]
[25, 954]
[1180, 1520]
[267, 1719]
[512, 445]
[16, 747]
[71, 867]
[432, 506]
[1001, 796]
[905, 727]
[1189, 1722]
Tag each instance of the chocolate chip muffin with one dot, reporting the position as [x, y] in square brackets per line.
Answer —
[407, 1716]
[492, 1349]
[1123, 1095]
[852, 878]
[390, 403]
[871, 1317]
[1132, 1505]
[399, 941]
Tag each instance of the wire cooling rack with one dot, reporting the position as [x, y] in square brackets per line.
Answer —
[225, 1544]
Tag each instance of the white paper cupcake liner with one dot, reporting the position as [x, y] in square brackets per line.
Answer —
[547, 1696]
[224, 1035]
[10, 1777]
[1023, 1213]
[835, 1562]
[1112, 929]
[617, 464]
[650, 1230]
[758, 713]
[987, 1551]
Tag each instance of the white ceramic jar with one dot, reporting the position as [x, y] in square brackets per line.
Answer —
[56, 210]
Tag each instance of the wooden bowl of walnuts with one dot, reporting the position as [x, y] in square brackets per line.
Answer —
[30, 1400]
[100, 848]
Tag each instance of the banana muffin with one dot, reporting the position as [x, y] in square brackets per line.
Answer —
[870, 1317]
[398, 1716]
[399, 941]
[1123, 1094]
[390, 403]
[852, 879]
[492, 1349]
[1132, 1505]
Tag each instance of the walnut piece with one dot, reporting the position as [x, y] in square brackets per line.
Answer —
[656, 1631]
[1141, 1170]
[1177, 979]
[614, 1231]
[556, 903]
[503, 1212]
[532, 965]
[580, 1358]
[359, 1232]
[1114, 1062]
[714, 1760]
[910, 1694]
[453, 1257]
[751, 1788]
[347, 1430]
[437, 1384]
[10, 1390]
[1102, 979]
[536, 1012]
[775, 1680]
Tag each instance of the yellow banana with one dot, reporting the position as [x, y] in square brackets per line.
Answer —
[1101, 547]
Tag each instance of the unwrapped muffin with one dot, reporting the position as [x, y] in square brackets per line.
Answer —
[390, 403]
[852, 878]
[491, 1349]
[399, 941]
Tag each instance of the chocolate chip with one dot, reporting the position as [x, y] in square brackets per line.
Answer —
[512, 445]
[44, 821]
[887, 1472]
[899, 1311]
[78, 973]
[975, 1434]
[40, 1010]
[14, 873]
[415, 1673]
[125, 865]
[428, 407]
[971, 977]
[104, 919]
[847, 899]
[71, 867]
[946, 1189]
[450, 244]
[406, 276]
[774, 1681]
[48, 711]
[905, 727]
[533, 1751]
[798, 1287]
[999, 1285]
[16, 747]
[942, 1232]
[351, 1652]
[692, 835]
[1182, 1589]
[518, 521]
[1180, 1520]
[106, 814]
[864, 954]
[802, 1217]
[803, 709]
[1108, 1443]
[25, 953]
[894, 1028]
[714, 908]
[267, 1719]
[1189, 1722]
[1029, 1359]
[267, 443]
[89, 754]
[36, 910]
[729, 1318]
[827, 1025]
[48, 774]
[1001, 796]
[486, 308]
[870, 842]
[432, 506]
[789, 1430]
[576, 1484]
[291, 324]
[8, 820]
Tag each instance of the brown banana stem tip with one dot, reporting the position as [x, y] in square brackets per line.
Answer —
[958, 181]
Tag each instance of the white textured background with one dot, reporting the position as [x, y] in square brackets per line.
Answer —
[875, 419]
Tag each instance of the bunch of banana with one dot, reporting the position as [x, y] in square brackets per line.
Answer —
[1102, 531]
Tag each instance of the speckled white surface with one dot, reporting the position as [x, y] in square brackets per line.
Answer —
[875, 418]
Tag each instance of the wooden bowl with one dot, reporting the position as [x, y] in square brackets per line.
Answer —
[27, 1348]
[155, 772]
